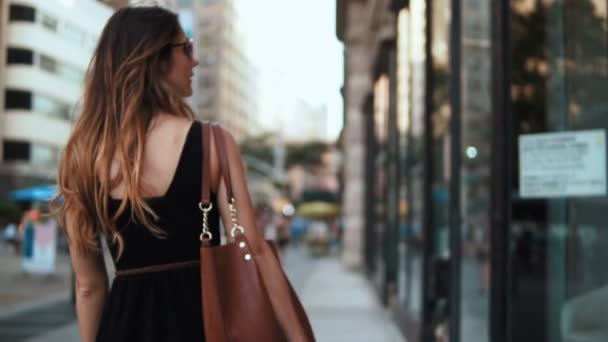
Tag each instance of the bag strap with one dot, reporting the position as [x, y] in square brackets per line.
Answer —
[223, 158]
[220, 144]
[206, 177]
[205, 204]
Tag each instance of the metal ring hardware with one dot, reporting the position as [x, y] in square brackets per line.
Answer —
[203, 209]
[205, 234]
[235, 228]
[235, 225]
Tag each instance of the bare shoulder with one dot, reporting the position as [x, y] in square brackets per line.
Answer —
[166, 125]
[167, 121]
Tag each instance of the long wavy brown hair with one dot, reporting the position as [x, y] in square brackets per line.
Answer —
[124, 90]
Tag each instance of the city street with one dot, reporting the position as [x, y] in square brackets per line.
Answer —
[342, 305]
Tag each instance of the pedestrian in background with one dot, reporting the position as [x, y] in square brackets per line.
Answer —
[11, 236]
[283, 232]
[131, 171]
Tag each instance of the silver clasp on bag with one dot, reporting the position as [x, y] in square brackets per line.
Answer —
[235, 225]
[205, 234]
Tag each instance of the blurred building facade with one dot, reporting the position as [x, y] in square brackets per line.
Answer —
[225, 88]
[46, 47]
[116, 4]
[475, 165]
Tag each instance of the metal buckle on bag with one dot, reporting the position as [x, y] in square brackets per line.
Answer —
[235, 225]
[205, 234]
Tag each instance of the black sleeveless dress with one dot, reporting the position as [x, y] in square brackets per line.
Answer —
[162, 305]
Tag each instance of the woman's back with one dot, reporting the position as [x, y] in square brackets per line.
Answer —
[158, 278]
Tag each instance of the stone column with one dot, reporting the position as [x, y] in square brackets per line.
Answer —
[357, 84]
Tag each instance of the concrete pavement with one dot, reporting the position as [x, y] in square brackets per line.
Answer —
[342, 305]
[344, 308]
[20, 291]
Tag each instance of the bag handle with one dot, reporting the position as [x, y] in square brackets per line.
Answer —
[205, 204]
[220, 144]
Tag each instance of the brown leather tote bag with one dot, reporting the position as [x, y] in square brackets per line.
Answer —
[246, 296]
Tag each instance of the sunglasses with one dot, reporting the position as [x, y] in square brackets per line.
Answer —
[187, 47]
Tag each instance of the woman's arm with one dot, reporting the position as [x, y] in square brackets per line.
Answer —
[91, 291]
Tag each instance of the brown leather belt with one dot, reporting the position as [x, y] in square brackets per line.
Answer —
[156, 268]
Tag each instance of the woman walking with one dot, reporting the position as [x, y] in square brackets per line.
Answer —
[131, 171]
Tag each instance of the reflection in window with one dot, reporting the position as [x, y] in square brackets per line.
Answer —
[559, 76]
[414, 168]
[476, 138]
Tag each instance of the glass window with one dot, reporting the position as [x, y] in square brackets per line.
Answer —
[410, 106]
[16, 151]
[441, 115]
[441, 122]
[18, 99]
[66, 71]
[558, 245]
[476, 136]
[48, 64]
[51, 107]
[22, 13]
[49, 22]
[44, 153]
[19, 56]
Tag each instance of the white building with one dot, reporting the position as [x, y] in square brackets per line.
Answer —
[225, 88]
[46, 47]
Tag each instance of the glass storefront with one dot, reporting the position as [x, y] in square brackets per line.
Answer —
[558, 240]
[476, 135]
[556, 287]
[410, 111]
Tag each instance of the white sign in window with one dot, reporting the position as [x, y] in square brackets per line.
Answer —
[568, 164]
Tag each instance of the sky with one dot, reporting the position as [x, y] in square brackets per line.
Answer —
[293, 45]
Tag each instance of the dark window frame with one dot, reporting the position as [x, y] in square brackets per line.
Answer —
[19, 12]
[16, 150]
[18, 99]
[19, 56]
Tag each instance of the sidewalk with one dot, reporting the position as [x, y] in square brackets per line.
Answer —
[342, 305]
[20, 291]
[344, 308]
